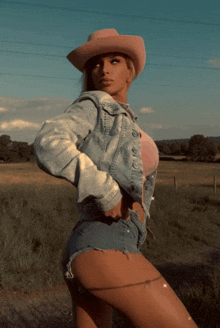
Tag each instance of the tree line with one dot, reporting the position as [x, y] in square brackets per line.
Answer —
[15, 151]
[198, 148]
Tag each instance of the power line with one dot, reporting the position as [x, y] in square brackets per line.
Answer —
[30, 53]
[35, 44]
[149, 64]
[74, 79]
[182, 21]
[63, 78]
[41, 76]
[182, 66]
[65, 47]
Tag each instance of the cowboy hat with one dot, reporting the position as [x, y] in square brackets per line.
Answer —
[108, 40]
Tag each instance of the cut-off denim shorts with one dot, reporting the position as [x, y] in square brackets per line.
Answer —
[104, 233]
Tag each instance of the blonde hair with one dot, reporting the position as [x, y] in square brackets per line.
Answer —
[86, 78]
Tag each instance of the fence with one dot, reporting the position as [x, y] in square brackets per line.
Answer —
[214, 183]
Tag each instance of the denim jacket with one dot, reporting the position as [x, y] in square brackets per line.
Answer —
[95, 145]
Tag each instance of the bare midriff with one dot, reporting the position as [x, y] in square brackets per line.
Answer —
[137, 207]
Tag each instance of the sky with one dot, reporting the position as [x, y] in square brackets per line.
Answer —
[176, 96]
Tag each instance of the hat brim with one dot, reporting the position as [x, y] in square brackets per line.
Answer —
[133, 46]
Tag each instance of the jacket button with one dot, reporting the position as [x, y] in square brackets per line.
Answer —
[133, 188]
[135, 165]
[134, 150]
[135, 133]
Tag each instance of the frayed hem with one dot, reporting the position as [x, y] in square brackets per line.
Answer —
[68, 274]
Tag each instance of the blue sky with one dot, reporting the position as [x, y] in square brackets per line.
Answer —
[176, 96]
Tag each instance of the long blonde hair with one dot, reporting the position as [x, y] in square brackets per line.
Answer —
[86, 78]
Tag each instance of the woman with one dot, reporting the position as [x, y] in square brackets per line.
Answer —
[98, 147]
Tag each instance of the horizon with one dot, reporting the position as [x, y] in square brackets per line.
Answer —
[154, 140]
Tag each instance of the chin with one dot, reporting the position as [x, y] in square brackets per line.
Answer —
[107, 89]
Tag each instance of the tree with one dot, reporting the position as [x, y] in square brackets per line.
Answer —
[5, 140]
[175, 148]
[163, 147]
[184, 148]
[201, 149]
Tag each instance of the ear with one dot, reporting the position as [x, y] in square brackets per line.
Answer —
[129, 76]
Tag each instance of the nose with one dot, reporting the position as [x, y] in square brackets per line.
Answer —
[105, 68]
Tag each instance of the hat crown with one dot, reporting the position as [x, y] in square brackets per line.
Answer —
[102, 34]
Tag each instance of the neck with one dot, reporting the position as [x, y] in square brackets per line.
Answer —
[121, 97]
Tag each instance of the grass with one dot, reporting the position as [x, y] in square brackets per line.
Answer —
[35, 224]
[183, 221]
[38, 212]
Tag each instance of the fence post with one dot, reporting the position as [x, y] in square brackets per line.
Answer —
[214, 184]
[175, 183]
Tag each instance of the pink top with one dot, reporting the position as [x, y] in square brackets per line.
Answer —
[149, 151]
[149, 154]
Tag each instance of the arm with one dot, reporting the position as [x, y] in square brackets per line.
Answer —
[56, 147]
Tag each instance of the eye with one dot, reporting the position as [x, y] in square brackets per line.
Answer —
[96, 65]
[115, 61]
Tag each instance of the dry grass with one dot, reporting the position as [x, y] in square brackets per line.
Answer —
[26, 174]
[186, 173]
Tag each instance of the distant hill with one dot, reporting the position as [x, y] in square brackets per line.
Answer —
[215, 139]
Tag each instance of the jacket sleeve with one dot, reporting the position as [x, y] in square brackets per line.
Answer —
[56, 148]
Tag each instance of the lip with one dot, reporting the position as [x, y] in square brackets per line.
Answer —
[103, 80]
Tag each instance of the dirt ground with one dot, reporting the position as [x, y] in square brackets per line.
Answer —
[44, 309]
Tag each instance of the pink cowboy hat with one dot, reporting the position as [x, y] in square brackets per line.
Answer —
[104, 41]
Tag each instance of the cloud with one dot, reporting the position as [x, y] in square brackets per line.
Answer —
[38, 103]
[155, 126]
[215, 61]
[3, 109]
[146, 110]
[17, 125]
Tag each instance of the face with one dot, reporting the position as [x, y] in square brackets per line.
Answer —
[111, 74]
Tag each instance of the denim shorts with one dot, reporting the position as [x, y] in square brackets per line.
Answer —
[104, 233]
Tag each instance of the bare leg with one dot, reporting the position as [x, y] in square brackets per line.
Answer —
[131, 284]
[89, 311]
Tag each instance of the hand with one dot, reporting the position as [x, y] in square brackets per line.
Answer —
[120, 210]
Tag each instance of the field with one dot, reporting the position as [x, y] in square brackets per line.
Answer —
[186, 173]
[37, 214]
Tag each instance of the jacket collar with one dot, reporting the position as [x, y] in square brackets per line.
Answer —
[110, 105]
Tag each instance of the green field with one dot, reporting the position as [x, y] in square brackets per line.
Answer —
[37, 214]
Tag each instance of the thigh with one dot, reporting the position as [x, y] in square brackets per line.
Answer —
[131, 284]
[89, 311]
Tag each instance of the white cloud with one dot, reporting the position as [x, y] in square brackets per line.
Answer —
[17, 125]
[215, 61]
[3, 109]
[38, 103]
[146, 110]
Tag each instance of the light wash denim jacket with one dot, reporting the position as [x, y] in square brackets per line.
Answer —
[95, 145]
